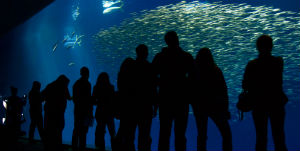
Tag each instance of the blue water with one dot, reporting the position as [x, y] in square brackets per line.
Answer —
[39, 50]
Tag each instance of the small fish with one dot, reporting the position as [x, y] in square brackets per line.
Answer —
[63, 41]
[73, 33]
[66, 37]
[71, 64]
[54, 46]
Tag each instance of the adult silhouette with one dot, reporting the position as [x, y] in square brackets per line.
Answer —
[104, 93]
[263, 81]
[55, 95]
[173, 66]
[210, 91]
[83, 109]
[35, 102]
[14, 113]
[144, 103]
[127, 110]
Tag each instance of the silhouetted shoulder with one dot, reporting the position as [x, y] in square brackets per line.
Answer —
[158, 57]
[218, 71]
[188, 55]
[279, 60]
[272, 61]
[251, 63]
[164, 50]
[162, 53]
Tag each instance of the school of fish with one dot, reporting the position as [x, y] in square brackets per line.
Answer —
[229, 30]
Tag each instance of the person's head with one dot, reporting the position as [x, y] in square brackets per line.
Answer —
[63, 80]
[264, 44]
[13, 91]
[204, 57]
[141, 52]
[127, 64]
[171, 39]
[84, 72]
[36, 85]
[103, 79]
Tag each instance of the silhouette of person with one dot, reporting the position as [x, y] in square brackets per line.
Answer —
[55, 95]
[83, 109]
[212, 99]
[173, 66]
[35, 101]
[14, 112]
[145, 93]
[126, 92]
[263, 81]
[104, 93]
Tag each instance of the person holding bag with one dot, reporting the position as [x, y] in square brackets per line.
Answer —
[263, 81]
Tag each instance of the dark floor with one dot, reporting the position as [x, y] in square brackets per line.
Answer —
[23, 144]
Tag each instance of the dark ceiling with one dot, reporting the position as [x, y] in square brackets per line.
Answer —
[15, 12]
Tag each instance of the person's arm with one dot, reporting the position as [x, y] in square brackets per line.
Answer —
[246, 78]
[223, 88]
[91, 98]
[155, 69]
[44, 94]
[155, 109]
[281, 63]
[94, 96]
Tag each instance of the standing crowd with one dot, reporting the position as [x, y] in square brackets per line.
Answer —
[173, 81]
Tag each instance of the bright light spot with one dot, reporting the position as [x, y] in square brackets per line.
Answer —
[4, 104]
[3, 120]
[109, 3]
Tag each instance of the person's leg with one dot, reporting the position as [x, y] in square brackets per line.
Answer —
[100, 133]
[128, 135]
[75, 135]
[112, 131]
[40, 126]
[53, 130]
[144, 140]
[61, 126]
[164, 132]
[277, 124]
[260, 119]
[224, 128]
[33, 124]
[201, 122]
[46, 131]
[119, 136]
[180, 125]
[82, 136]
[59, 140]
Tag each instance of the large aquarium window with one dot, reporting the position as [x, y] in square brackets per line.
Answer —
[100, 34]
